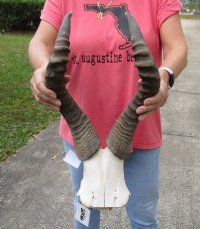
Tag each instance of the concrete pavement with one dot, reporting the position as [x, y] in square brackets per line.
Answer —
[179, 205]
[35, 184]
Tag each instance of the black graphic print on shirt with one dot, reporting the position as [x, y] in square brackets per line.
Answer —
[118, 12]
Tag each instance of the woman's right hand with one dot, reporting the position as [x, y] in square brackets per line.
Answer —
[42, 94]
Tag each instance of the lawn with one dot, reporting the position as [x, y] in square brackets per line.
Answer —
[196, 16]
[20, 116]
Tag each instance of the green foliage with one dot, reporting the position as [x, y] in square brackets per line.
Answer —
[191, 5]
[196, 16]
[20, 14]
[20, 116]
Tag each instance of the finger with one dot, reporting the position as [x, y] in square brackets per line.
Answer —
[67, 78]
[154, 99]
[43, 99]
[50, 106]
[145, 109]
[44, 90]
[47, 104]
[139, 82]
[50, 102]
[145, 115]
[38, 81]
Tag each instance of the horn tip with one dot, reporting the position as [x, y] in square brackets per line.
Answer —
[68, 16]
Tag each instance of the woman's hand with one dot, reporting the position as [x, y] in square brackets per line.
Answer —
[42, 94]
[153, 103]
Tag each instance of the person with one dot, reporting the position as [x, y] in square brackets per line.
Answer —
[103, 79]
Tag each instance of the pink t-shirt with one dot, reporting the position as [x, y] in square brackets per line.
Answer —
[103, 76]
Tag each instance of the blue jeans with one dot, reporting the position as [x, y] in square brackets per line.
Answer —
[141, 171]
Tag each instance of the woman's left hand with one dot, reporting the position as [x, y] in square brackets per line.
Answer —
[153, 103]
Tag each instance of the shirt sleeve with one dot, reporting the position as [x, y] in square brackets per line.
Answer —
[52, 13]
[166, 8]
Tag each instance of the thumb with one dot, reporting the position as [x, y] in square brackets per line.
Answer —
[67, 78]
[139, 83]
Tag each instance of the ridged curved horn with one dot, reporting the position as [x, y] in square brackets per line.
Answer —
[120, 138]
[86, 141]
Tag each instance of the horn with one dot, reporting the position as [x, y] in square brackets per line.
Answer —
[120, 138]
[86, 141]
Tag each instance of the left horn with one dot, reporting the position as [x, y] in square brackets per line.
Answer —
[120, 138]
[86, 141]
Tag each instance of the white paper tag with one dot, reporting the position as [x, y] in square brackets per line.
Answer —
[72, 159]
[82, 214]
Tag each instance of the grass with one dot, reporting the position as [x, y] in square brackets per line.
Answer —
[185, 16]
[20, 116]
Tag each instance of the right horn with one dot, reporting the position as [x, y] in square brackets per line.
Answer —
[120, 138]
